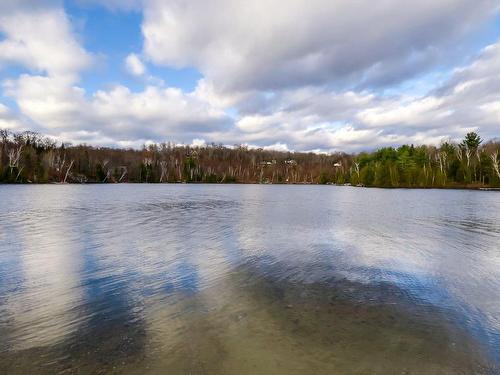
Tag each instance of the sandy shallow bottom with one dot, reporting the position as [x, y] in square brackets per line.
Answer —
[249, 324]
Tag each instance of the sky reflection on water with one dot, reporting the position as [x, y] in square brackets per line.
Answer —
[95, 276]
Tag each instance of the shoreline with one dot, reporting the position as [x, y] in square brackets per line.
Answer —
[477, 188]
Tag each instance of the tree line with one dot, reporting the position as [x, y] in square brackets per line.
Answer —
[29, 157]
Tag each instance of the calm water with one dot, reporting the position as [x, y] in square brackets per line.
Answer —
[248, 279]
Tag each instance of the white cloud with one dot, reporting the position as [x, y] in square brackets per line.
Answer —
[257, 123]
[205, 90]
[8, 120]
[427, 110]
[318, 118]
[52, 102]
[116, 114]
[491, 109]
[134, 65]
[40, 38]
[162, 112]
[241, 45]
[278, 146]
[197, 142]
[274, 75]
[307, 118]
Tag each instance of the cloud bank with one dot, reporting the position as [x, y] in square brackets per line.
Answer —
[301, 75]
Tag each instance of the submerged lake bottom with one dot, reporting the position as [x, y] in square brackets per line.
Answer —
[248, 280]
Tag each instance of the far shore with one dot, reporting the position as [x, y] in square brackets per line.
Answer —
[454, 187]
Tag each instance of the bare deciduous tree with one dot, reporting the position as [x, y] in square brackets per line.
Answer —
[496, 163]
[14, 156]
[68, 170]
[164, 170]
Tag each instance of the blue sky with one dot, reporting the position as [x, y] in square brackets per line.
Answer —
[315, 75]
[112, 35]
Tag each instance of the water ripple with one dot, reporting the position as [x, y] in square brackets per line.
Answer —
[92, 277]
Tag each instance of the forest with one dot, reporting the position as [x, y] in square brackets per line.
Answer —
[28, 157]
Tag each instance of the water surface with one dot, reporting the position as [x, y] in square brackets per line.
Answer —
[248, 279]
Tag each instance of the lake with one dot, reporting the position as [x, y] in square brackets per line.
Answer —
[248, 279]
